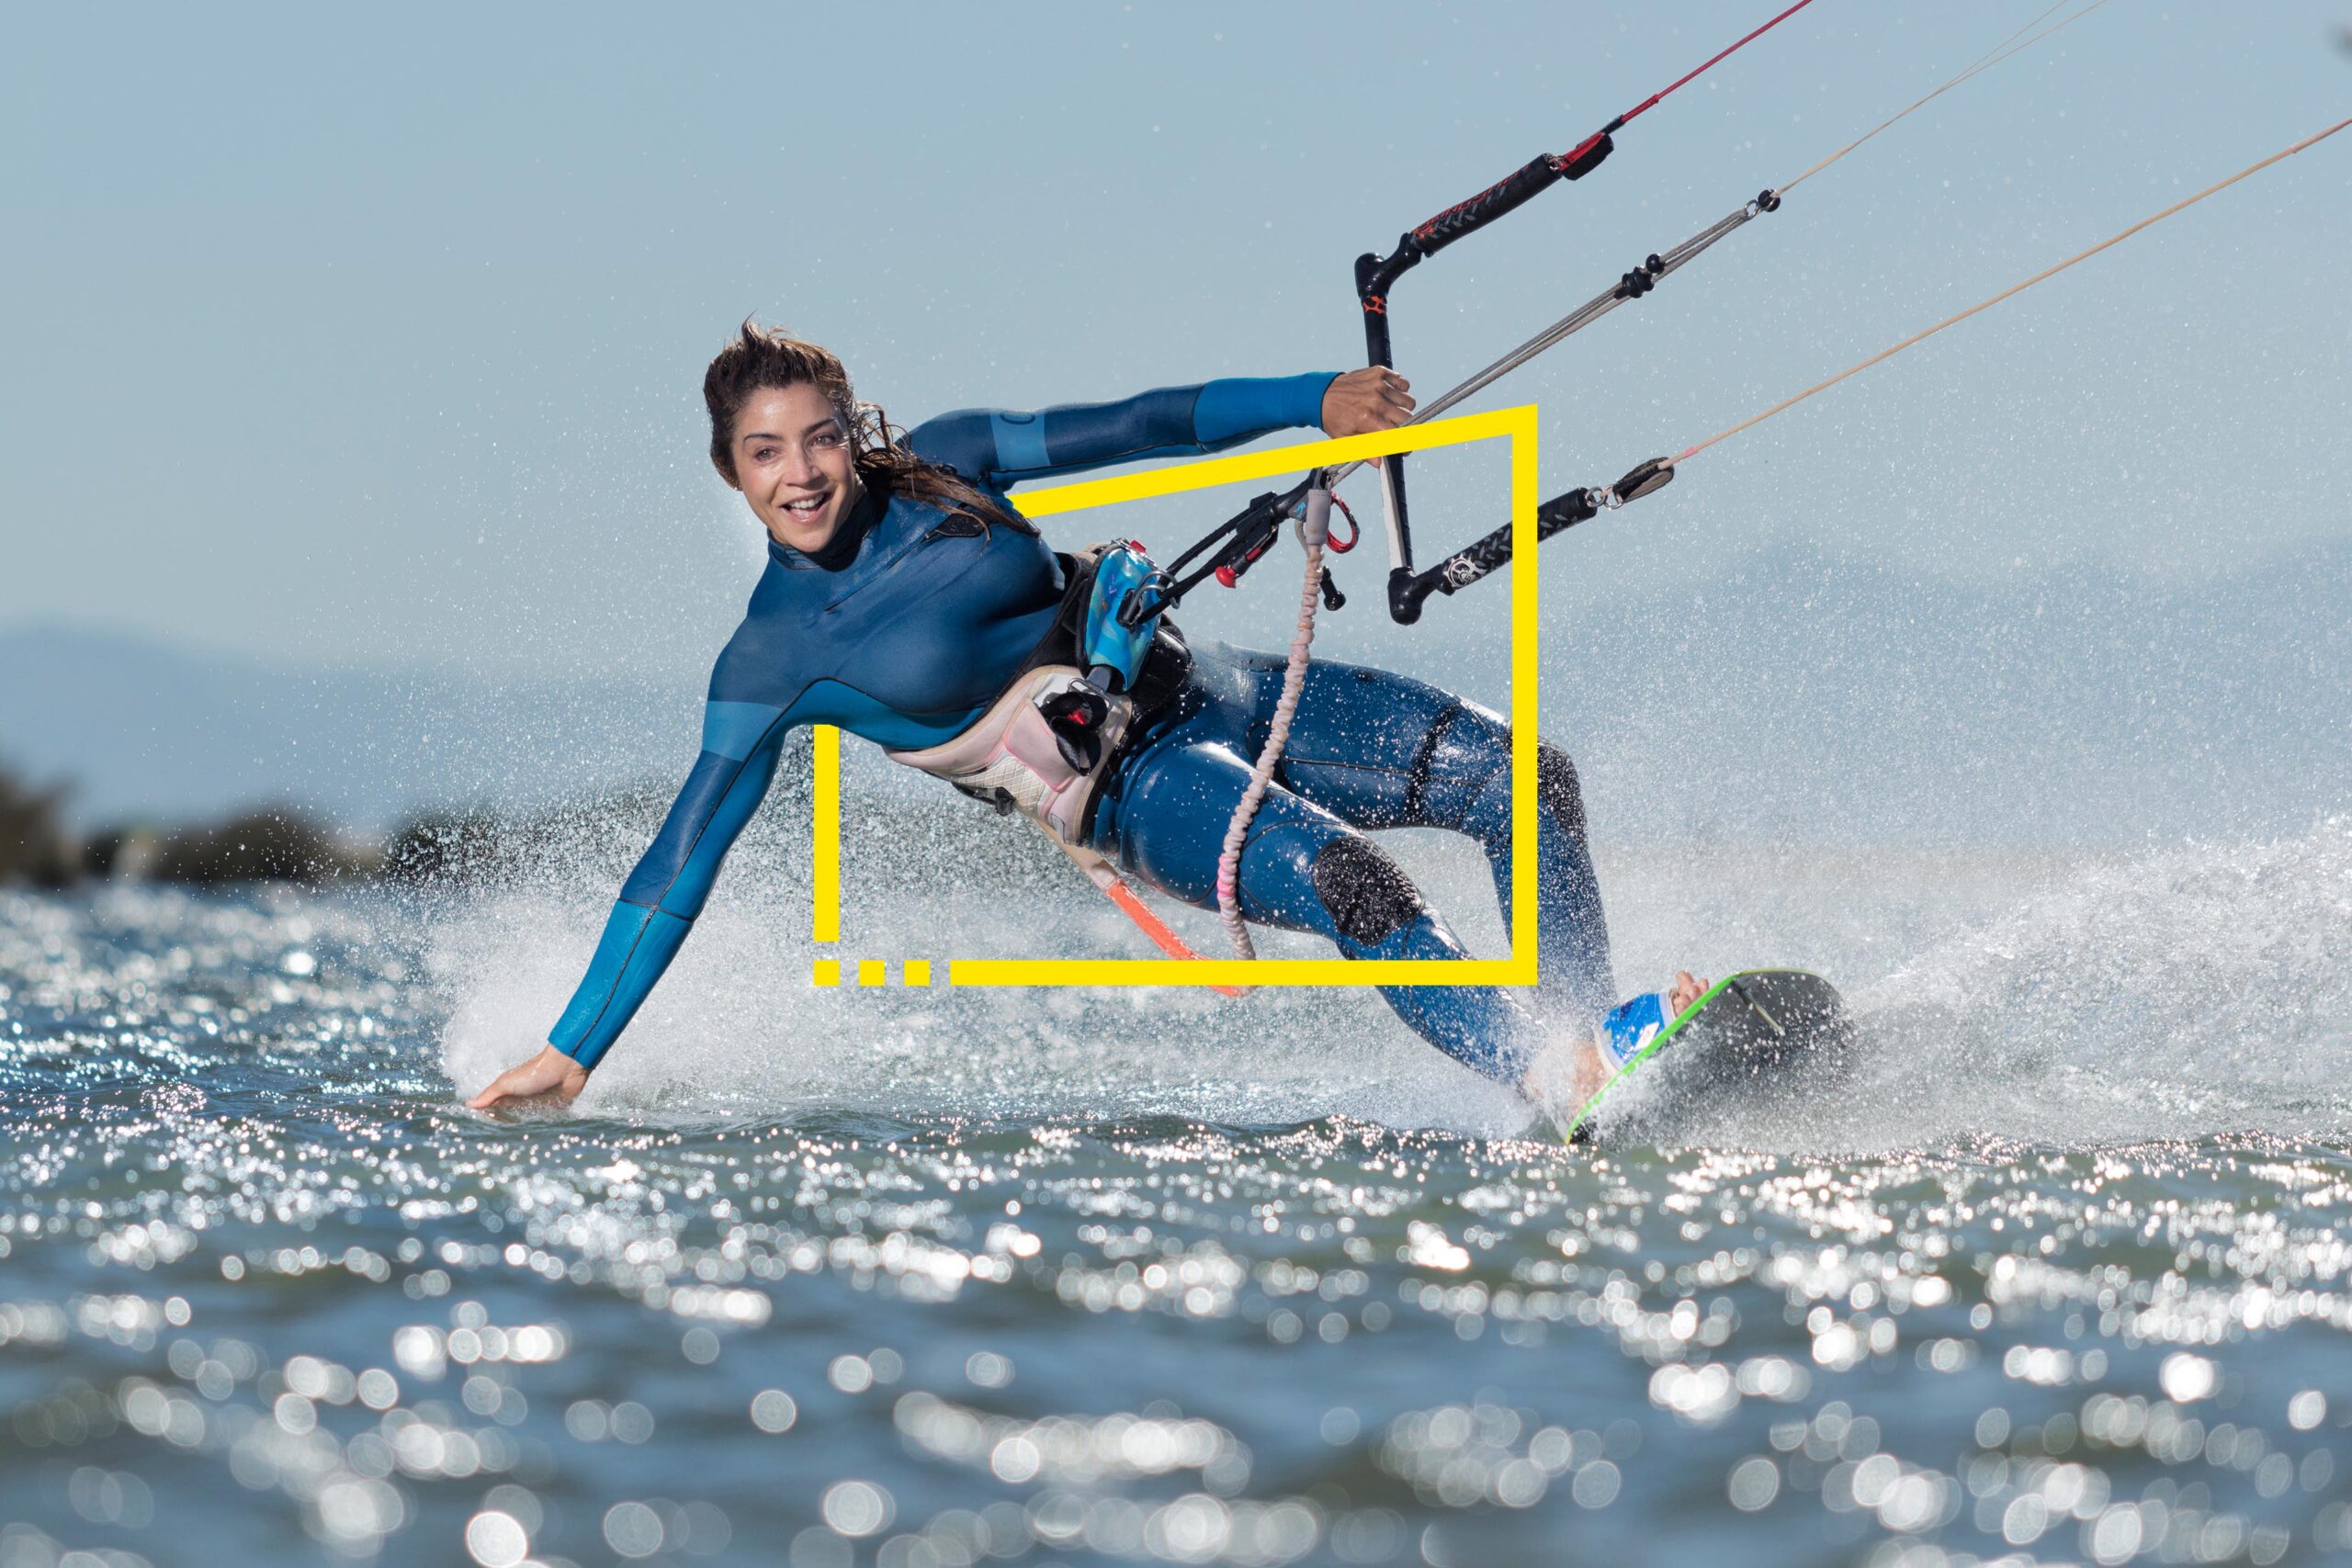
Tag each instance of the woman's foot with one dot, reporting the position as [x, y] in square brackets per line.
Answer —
[1634, 1023]
[1571, 1074]
[1687, 989]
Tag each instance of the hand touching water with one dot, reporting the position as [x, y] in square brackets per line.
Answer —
[551, 1078]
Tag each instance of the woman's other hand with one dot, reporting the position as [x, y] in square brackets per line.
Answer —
[551, 1078]
[1362, 401]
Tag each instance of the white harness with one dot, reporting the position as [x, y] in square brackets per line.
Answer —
[1010, 754]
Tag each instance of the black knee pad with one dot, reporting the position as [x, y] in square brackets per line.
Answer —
[1368, 894]
[1556, 787]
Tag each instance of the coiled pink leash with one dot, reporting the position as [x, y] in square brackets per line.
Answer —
[1313, 532]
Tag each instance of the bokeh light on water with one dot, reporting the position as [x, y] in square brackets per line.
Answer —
[1007, 1281]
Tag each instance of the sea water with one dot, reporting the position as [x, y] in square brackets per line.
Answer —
[922, 1277]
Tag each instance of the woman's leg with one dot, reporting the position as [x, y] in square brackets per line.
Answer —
[1380, 749]
[1303, 869]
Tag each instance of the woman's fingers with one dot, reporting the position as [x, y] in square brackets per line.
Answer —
[550, 1073]
[505, 1086]
[1395, 395]
[1360, 401]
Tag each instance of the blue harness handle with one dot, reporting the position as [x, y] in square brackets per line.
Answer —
[1123, 614]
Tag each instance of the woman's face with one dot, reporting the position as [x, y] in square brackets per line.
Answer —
[792, 462]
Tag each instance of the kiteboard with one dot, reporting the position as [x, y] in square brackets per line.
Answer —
[1749, 1031]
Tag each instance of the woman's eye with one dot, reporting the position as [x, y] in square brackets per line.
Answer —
[830, 438]
[765, 455]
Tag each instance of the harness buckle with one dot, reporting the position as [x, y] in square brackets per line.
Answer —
[1076, 716]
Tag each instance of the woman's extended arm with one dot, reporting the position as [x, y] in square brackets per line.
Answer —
[1001, 448]
[740, 745]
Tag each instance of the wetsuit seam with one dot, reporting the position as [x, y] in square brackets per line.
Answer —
[618, 970]
[1417, 776]
[880, 573]
[973, 713]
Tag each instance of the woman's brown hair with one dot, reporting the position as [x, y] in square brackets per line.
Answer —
[766, 358]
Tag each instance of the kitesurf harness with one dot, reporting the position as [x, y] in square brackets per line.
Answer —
[1047, 740]
[1109, 662]
[1038, 750]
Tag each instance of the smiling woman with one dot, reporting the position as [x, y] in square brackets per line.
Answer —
[906, 602]
[796, 469]
[788, 432]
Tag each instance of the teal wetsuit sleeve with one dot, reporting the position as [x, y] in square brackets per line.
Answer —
[1002, 448]
[741, 744]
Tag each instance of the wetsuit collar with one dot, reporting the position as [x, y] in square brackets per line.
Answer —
[842, 547]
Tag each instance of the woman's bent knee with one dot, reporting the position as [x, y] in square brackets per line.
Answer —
[1558, 795]
[1367, 895]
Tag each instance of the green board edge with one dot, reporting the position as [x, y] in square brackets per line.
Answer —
[1568, 1132]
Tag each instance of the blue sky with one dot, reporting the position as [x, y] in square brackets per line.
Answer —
[376, 334]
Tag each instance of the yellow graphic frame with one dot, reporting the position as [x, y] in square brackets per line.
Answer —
[1516, 425]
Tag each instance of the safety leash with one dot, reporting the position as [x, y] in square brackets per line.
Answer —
[1314, 530]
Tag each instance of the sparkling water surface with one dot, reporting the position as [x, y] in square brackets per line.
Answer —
[918, 1277]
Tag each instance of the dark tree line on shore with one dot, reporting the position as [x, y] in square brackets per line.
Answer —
[473, 846]
[33, 845]
[258, 844]
[281, 843]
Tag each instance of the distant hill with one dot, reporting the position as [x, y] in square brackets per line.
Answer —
[1782, 695]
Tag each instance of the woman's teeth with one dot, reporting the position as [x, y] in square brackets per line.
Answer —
[804, 505]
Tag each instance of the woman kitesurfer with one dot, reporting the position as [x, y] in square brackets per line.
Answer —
[904, 600]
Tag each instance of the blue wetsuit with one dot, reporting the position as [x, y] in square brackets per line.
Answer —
[914, 620]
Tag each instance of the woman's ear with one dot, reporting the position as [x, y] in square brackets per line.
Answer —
[731, 483]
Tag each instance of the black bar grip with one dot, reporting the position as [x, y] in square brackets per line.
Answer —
[1505, 196]
[1407, 590]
